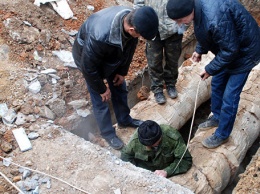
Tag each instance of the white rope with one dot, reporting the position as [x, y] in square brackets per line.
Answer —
[11, 183]
[47, 175]
[190, 127]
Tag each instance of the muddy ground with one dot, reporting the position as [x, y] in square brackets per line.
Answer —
[21, 59]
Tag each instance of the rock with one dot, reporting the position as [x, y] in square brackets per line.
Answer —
[45, 112]
[66, 57]
[76, 104]
[53, 81]
[21, 119]
[143, 93]
[6, 147]
[3, 109]
[36, 56]
[48, 71]
[45, 37]
[57, 106]
[30, 118]
[83, 113]
[26, 173]
[14, 172]
[35, 87]
[17, 178]
[18, 102]
[42, 78]
[27, 109]
[90, 7]
[28, 163]
[36, 190]
[7, 161]
[54, 76]
[4, 52]
[23, 34]
[9, 117]
[33, 135]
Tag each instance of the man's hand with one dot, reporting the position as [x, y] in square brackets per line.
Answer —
[204, 75]
[118, 80]
[106, 96]
[196, 57]
[161, 173]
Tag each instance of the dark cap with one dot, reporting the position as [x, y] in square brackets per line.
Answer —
[146, 22]
[177, 9]
[149, 132]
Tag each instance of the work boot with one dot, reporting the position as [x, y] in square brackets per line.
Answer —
[160, 98]
[213, 141]
[135, 123]
[209, 123]
[172, 92]
[115, 142]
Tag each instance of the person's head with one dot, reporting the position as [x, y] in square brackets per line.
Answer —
[181, 11]
[143, 22]
[149, 133]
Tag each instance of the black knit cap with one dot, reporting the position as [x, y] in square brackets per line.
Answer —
[146, 22]
[149, 132]
[177, 9]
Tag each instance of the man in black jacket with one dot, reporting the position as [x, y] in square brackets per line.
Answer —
[104, 49]
[227, 29]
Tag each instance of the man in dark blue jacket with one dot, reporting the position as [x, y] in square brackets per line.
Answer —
[104, 49]
[227, 29]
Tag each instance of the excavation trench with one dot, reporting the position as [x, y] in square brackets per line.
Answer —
[87, 127]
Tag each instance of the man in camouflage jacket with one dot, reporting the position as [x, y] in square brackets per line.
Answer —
[163, 52]
[158, 148]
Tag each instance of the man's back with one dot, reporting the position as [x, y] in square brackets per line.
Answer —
[166, 156]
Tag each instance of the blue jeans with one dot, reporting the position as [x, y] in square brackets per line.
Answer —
[102, 112]
[226, 89]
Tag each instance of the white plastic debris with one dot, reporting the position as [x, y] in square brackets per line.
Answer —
[60, 6]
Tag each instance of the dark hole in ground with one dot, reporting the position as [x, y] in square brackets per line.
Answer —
[201, 115]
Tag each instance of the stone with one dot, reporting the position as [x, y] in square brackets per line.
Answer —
[17, 178]
[6, 147]
[45, 112]
[35, 87]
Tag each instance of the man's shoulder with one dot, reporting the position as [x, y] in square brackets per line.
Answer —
[170, 132]
[134, 138]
